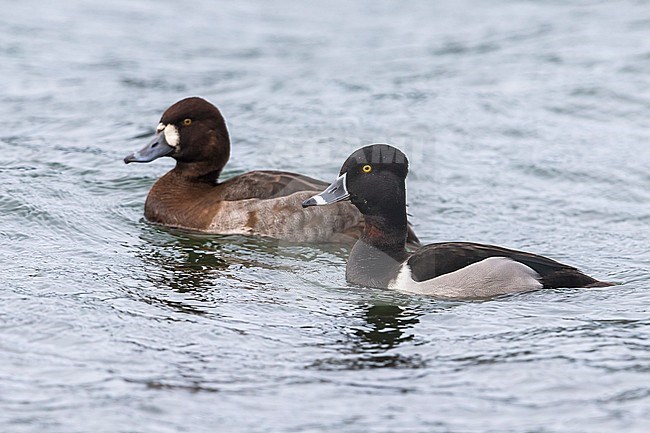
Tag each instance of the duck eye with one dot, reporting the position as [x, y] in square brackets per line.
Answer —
[187, 122]
[366, 168]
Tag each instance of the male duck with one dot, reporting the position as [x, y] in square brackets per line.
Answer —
[265, 203]
[373, 179]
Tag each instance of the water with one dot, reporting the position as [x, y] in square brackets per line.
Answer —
[526, 124]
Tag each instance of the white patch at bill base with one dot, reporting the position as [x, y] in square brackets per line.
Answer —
[171, 135]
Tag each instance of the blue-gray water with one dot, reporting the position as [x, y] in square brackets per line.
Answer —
[527, 126]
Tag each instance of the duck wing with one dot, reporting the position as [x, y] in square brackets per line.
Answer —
[438, 259]
[268, 184]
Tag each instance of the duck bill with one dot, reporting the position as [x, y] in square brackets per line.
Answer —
[336, 192]
[156, 148]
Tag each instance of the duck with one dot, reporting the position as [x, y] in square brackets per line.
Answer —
[265, 203]
[373, 179]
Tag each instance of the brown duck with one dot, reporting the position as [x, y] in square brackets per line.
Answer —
[263, 203]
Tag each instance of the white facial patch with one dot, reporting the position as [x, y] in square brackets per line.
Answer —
[160, 127]
[171, 135]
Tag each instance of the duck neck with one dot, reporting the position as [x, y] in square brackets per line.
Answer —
[380, 251]
[199, 172]
[386, 232]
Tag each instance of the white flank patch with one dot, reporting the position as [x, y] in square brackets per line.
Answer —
[490, 277]
[171, 135]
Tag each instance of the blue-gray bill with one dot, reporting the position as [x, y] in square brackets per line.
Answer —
[337, 191]
[156, 148]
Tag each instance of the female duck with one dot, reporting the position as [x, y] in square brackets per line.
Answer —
[373, 179]
[265, 203]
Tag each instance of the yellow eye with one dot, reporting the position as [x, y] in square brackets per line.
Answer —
[187, 122]
[366, 168]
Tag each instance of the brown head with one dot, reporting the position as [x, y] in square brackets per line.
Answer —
[194, 133]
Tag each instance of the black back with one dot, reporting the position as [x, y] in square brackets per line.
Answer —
[438, 259]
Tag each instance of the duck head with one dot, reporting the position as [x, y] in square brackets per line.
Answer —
[193, 132]
[372, 178]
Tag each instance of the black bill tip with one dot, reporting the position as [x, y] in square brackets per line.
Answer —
[309, 202]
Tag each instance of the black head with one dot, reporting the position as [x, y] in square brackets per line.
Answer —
[372, 178]
[190, 131]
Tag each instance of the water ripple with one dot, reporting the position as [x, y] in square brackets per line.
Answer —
[525, 124]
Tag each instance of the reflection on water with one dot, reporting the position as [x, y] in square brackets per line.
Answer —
[525, 124]
[198, 266]
[179, 263]
[372, 344]
[387, 327]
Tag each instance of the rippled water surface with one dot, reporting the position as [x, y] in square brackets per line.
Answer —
[527, 126]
